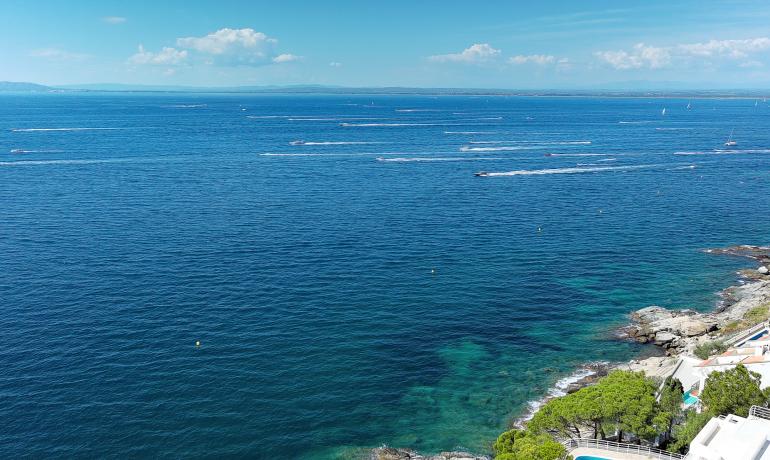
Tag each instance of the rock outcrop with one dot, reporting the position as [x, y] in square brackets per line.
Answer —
[681, 330]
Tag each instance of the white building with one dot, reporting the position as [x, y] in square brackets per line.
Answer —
[734, 438]
[753, 353]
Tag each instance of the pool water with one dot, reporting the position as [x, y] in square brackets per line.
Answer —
[689, 399]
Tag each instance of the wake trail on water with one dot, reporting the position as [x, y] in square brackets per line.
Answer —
[470, 133]
[539, 172]
[337, 143]
[35, 151]
[33, 130]
[722, 152]
[342, 154]
[534, 142]
[69, 162]
[405, 160]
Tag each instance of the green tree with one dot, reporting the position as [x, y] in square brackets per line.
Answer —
[570, 416]
[525, 445]
[622, 401]
[669, 406]
[628, 403]
[686, 432]
[733, 391]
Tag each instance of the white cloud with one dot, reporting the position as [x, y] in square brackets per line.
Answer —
[114, 19]
[233, 46]
[335, 64]
[479, 52]
[56, 54]
[736, 49]
[166, 56]
[539, 59]
[642, 56]
[226, 47]
[281, 58]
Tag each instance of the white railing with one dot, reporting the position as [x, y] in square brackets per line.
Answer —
[759, 412]
[613, 446]
[745, 334]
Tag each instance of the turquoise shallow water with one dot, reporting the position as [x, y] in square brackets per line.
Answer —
[342, 301]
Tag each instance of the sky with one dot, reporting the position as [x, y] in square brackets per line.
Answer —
[480, 44]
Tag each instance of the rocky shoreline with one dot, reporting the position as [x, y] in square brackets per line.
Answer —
[675, 331]
[680, 331]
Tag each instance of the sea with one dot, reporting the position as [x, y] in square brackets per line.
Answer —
[284, 276]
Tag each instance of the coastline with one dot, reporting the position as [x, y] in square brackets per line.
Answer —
[675, 331]
[672, 331]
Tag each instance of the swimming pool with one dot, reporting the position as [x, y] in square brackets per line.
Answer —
[689, 399]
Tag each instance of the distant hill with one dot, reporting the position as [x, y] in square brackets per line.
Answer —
[23, 86]
[621, 89]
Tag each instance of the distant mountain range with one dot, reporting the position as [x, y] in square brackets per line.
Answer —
[630, 89]
[22, 86]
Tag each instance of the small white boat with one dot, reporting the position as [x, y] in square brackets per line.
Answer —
[689, 106]
[300, 142]
[481, 174]
[730, 142]
[663, 112]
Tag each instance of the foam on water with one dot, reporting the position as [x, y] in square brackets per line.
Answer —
[534, 142]
[32, 130]
[375, 125]
[404, 160]
[185, 106]
[470, 132]
[537, 172]
[558, 390]
[66, 162]
[579, 154]
[35, 151]
[336, 143]
[336, 154]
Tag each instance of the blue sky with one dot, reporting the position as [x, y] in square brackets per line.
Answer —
[494, 44]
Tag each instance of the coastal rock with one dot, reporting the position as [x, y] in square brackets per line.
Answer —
[663, 338]
[743, 250]
[763, 270]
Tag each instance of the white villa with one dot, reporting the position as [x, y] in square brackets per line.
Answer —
[734, 438]
[752, 350]
[723, 438]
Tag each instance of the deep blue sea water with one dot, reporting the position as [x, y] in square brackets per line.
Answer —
[345, 295]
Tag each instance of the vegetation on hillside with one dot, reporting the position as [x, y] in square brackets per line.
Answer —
[625, 406]
[715, 347]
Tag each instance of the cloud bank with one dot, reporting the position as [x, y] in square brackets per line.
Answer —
[225, 47]
[642, 56]
[474, 54]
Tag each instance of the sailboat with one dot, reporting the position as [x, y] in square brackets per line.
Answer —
[730, 142]
[689, 105]
[663, 112]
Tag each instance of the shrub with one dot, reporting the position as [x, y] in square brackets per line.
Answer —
[704, 350]
[523, 445]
